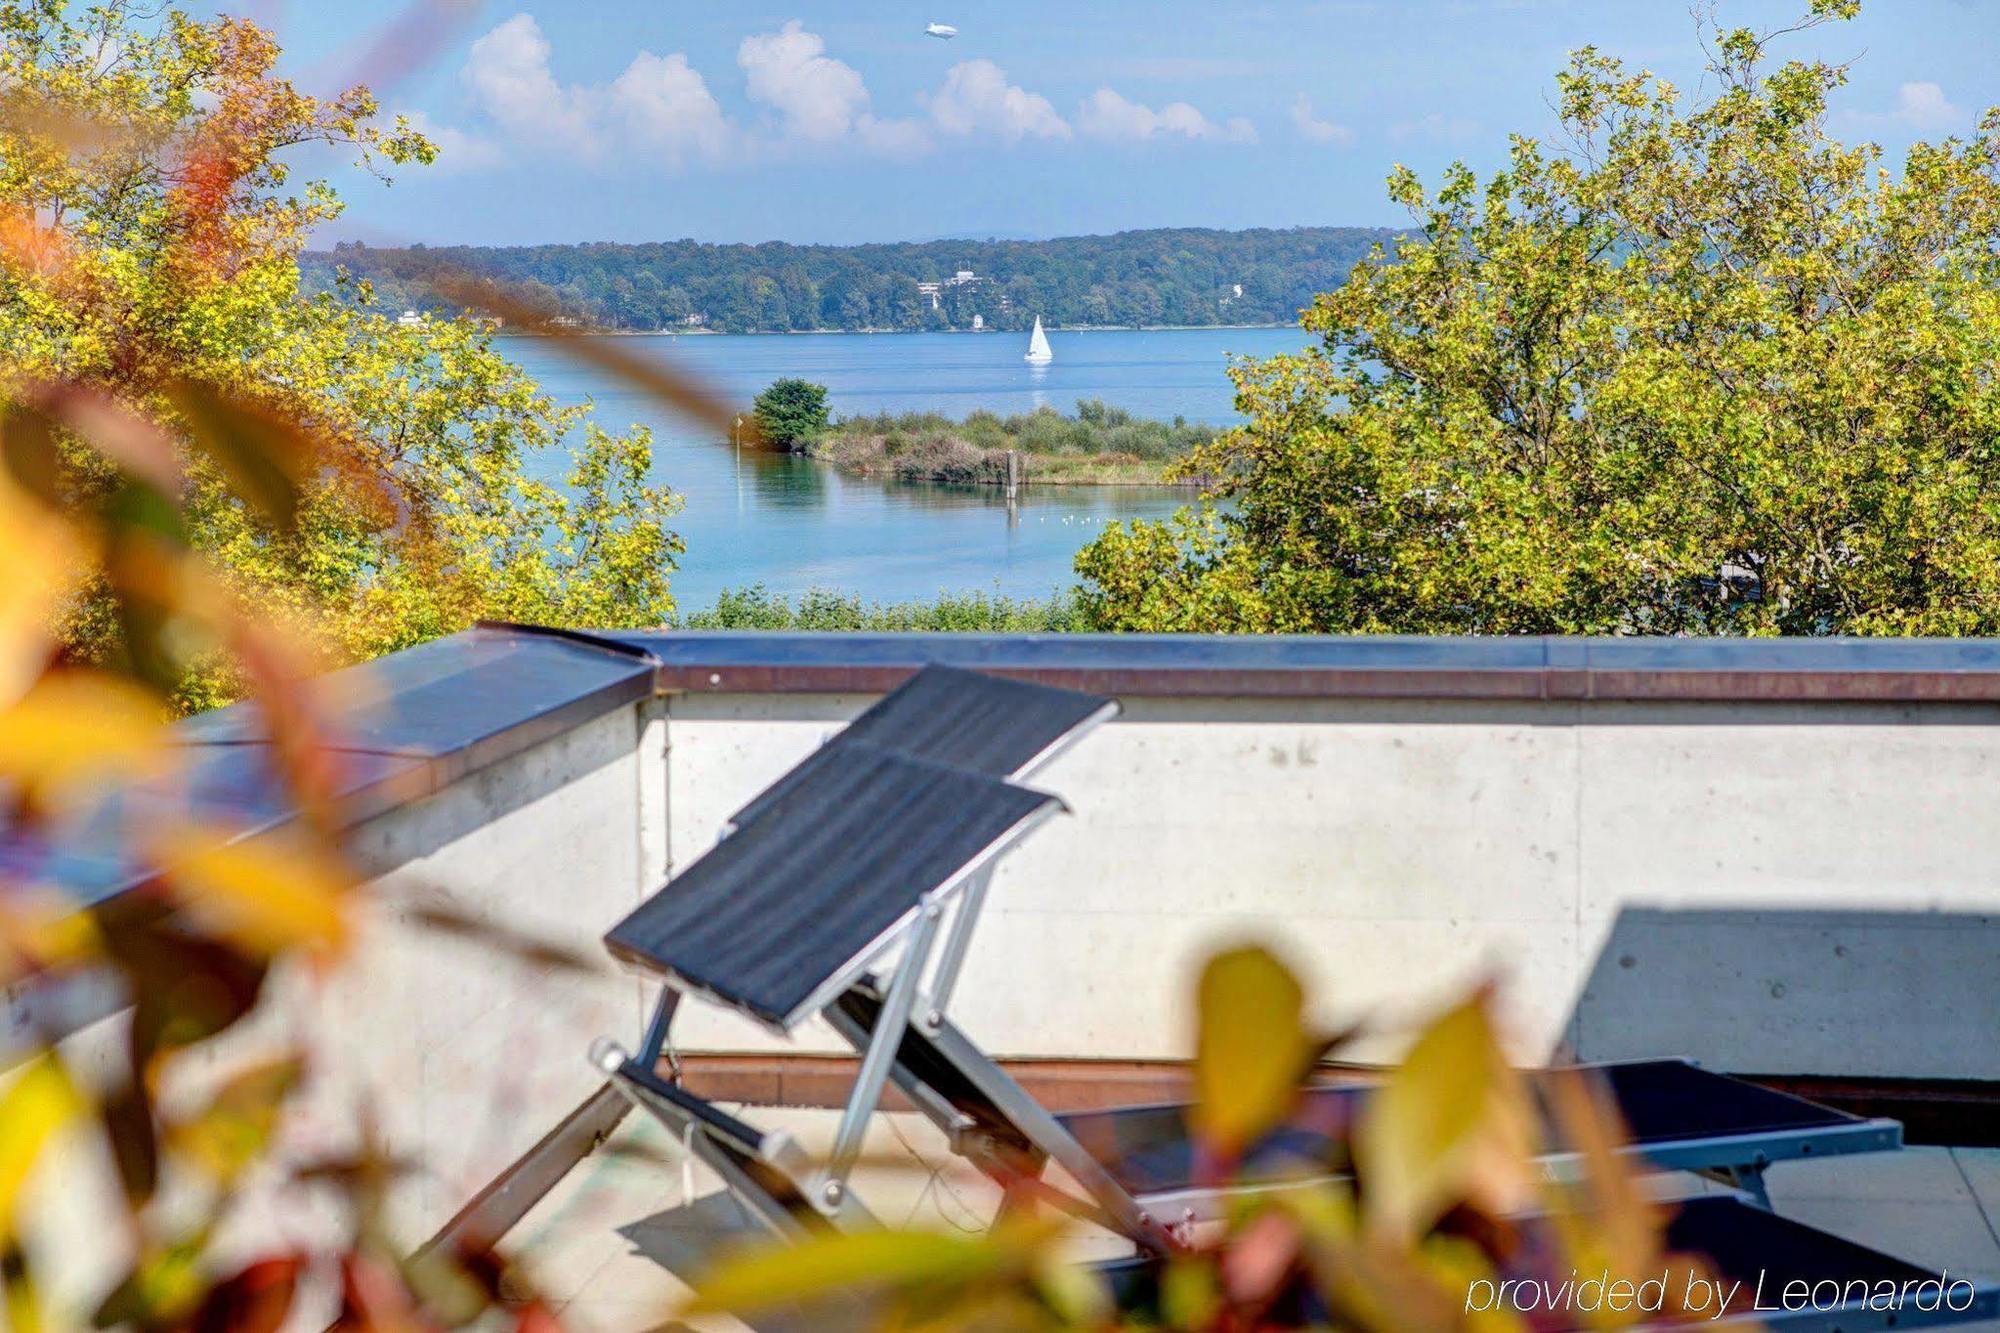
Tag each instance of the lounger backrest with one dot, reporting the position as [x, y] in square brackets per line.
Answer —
[962, 719]
[783, 913]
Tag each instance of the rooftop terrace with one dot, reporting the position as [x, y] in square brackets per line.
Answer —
[1775, 857]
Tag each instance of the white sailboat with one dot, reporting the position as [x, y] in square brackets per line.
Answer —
[1039, 353]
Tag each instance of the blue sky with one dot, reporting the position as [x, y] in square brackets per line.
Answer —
[627, 120]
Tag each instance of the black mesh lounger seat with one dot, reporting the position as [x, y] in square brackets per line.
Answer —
[983, 724]
[1680, 1117]
[850, 863]
[776, 918]
[1742, 1245]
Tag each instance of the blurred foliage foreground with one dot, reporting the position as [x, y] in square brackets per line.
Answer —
[209, 486]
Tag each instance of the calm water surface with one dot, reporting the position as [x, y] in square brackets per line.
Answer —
[793, 525]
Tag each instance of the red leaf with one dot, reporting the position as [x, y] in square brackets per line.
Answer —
[256, 1300]
[536, 1317]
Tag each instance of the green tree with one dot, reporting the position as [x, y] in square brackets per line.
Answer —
[1702, 369]
[791, 413]
[150, 234]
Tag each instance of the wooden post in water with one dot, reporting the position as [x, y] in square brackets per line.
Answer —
[1013, 487]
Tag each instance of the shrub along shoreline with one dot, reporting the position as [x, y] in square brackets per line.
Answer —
[1099, 446]
[822, 609]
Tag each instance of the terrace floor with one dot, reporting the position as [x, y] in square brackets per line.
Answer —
[613, 1244]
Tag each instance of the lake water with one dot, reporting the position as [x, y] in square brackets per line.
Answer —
[793, 525]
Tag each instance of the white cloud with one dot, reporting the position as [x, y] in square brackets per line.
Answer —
[1315, 129]
[1106, 115]
[458, 150]
[820, 99]
[1921, 107]
[1924, 106]
[977, 99]
[659, 104]
[664, 103]
[508, 73]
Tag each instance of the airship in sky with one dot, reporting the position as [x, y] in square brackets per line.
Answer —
[943, 31]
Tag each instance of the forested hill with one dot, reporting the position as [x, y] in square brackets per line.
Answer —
[1167, 276]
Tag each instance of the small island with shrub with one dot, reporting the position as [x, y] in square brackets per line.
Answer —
[1100, 445]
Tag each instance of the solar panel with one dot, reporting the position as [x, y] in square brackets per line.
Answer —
[962, 719]
[788, 906]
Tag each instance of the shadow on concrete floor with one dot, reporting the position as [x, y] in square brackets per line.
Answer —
[690, 1239]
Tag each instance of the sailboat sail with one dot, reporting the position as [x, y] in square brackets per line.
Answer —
[1039, 352]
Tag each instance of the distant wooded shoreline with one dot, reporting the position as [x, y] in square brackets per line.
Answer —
[1166, 278]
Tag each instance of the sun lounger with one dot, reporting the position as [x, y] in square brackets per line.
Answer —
[1680, 1117]
[857, 861]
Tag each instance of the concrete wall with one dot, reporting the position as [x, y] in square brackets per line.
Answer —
[1771, 888]
[466, 1056]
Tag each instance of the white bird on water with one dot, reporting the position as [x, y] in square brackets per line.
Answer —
[942, 31]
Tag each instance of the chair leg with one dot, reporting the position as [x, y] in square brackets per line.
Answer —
[657, 1029]
[1048, 1135]
[880, 1056]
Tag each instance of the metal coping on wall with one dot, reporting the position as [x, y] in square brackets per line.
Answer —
[1376, 666]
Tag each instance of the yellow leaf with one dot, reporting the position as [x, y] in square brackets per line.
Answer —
[37, 1103]
[75, 729]
[1606, 1217]
[1251, 1049]
[1078, 1296]
[227, 1135]
[41, 559]
[1429, 1137]
[264, 452]
[270, 893]
[1190, 1292]
[1466, 1284]
[41, 930]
